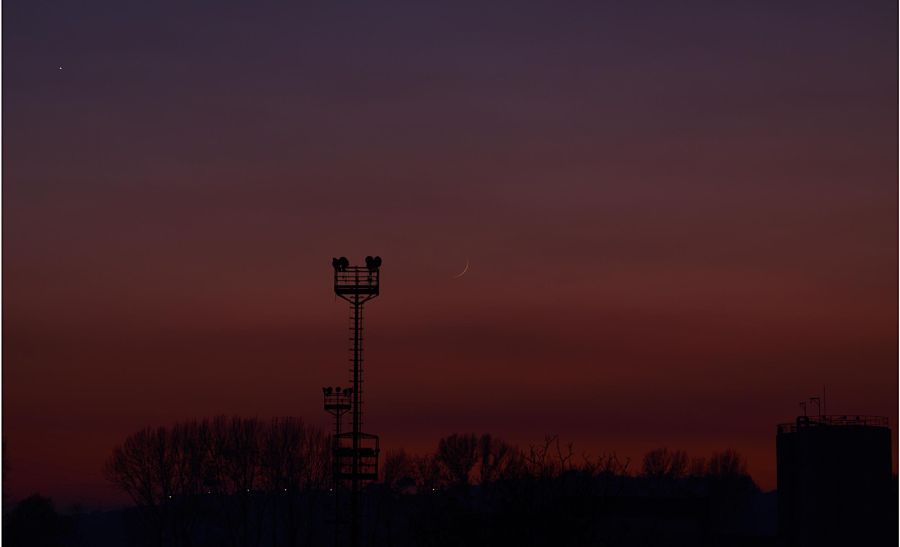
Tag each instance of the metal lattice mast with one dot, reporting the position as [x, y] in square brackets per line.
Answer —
[355, 512]
[357, 285]
[337, 403]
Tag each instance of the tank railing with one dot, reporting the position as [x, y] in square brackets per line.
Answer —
[840, 420]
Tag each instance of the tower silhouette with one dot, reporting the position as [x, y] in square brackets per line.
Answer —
[355, 453]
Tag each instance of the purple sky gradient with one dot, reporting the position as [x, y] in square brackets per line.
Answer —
[681, 220]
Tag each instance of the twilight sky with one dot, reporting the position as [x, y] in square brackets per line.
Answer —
[681, 220]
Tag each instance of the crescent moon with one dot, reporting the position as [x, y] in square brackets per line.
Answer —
[462, 273]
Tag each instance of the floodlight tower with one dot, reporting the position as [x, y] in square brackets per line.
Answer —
[357, 285]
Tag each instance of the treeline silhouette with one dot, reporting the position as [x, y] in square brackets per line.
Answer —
[226, 480]
[248, 482]
[479, 490]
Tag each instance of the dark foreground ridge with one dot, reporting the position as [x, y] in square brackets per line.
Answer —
[246, 482]
[232, 481]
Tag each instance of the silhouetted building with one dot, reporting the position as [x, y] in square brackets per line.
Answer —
[834, 481]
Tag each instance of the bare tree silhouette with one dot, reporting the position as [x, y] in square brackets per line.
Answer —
[727, 463]
[246, 482]
[549, 459]
[428, 473]
[662, 463]
[457, 455]
[399, 470]
[143, 468]
[497, 460]
[697, 467]
[295, 459]
[234, 471]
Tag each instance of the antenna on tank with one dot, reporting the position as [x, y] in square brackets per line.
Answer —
[818, 403]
